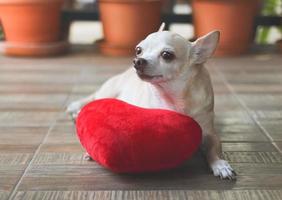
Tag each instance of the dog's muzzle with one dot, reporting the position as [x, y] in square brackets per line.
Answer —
[139, 64]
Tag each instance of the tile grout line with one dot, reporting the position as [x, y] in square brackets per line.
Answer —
[32, 159]
[265, 132]
[15, 188]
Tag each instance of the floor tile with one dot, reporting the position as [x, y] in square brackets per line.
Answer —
[40, 151]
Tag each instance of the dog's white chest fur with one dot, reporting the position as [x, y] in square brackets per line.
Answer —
[142, 94]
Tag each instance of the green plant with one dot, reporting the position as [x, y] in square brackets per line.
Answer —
[271, 8]
[1, 33]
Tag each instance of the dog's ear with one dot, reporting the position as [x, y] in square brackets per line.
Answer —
[204, 47]
[162, 27]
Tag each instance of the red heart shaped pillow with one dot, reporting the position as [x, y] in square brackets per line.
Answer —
[130, 139]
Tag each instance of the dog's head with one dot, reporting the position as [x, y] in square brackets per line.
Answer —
[164, 55]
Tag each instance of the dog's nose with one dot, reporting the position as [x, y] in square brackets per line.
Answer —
[139, 63]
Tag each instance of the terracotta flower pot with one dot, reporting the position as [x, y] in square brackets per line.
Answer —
[234, 18]
[31, 24]
[126, 23]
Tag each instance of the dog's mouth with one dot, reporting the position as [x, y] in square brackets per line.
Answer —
[144, 76]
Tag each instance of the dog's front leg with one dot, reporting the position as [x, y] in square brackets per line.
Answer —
[74, 107]
[212, 147]
[110, 89]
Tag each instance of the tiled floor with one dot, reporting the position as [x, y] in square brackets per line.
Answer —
[41, 158]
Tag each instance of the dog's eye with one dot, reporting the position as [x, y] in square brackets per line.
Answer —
[168, 56]
[138, 51]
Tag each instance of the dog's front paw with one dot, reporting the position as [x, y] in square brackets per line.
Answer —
[74, 108]
[87, 157]
[222, 169]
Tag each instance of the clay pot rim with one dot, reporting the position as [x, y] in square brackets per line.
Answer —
[103, 42]
[36, 50]
[33, 45]
[29, 1]
[114, 50]
[128, 1]
[222, 1]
